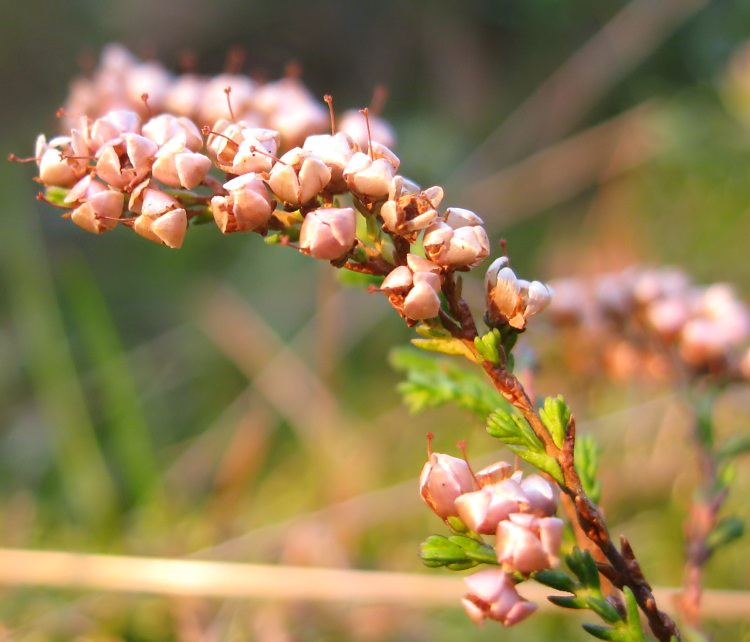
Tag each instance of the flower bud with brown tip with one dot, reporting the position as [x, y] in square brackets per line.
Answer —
[510, 300]
[413, 289]
[369, 177]
[239, 148]
[299, 177]
[247, 207]
[458, 241]
[408, 209]
[168, 229]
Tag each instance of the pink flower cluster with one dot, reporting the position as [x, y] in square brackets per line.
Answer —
[643, 317]
[286, 105]
[155, 173]
[517, 510]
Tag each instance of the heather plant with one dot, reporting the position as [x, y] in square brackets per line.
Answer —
[160, 155]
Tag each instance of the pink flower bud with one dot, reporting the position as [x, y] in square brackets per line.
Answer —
[511, 300]
[110, 169]
[328, 233]
[464, 247]
[335, 151]
[423, 301]
[184, 97]
[494, 473]
[353, 124]
[541, 496]
[100, 211]
[141, 152]
[398, 280]
[289, 107]
[163, 128]
[214, 104]
[492, 595]
[299, 177]
[483, 509]
[408, 210]
[247, 207]
[58, 160]
[526, 543]
[168, 229]
[148, 78]
[110, 127]
[667, 316]
[413, 289]
[176, 166]
[241, 148]
[369, 178]
[442, 481]
[151, 202]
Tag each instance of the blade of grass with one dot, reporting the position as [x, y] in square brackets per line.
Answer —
[84, 477]
[126, 423]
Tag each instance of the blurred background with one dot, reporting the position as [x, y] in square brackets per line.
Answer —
[232, 401]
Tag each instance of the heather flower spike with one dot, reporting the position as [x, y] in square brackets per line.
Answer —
[259, 157]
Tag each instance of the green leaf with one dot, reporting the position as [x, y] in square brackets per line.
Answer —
[633, 618]
[489, 346]
[726, 531]
[586, 457]
[556, 579]
[604, 609]
[457, 552]
[431, 330]
[475, 550]
[437, 550]
[432, 382]
[603, 632]
[512, 429]
[568, 601]
[447, 345]
[542, 461]
[555, 415]
[584, 567]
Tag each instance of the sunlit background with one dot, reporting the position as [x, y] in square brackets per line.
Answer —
[232, 401]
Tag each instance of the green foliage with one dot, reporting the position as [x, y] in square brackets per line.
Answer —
[512, 430]
[432, 382]
[556, 415]
[56, 195]
[489, 346]
[586, 594]
[586, 458]
[556, 579]
[457, 552]
[445, 345]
